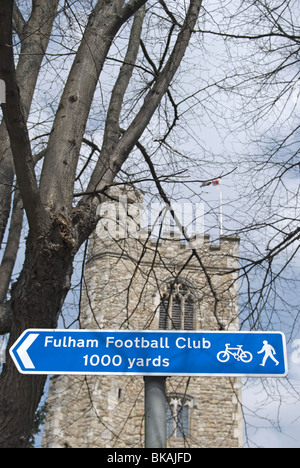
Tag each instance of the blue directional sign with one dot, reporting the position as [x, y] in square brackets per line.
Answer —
[165, 353]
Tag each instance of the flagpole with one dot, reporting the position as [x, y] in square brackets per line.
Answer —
[217, 183]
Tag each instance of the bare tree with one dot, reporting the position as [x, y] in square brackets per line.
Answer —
[84, 68]
[57, 226]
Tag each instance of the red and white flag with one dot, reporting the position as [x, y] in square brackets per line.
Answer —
[213, 182]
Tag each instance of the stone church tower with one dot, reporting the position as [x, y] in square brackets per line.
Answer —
[133, 281]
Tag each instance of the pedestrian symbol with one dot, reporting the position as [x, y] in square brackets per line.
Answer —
[269, 353]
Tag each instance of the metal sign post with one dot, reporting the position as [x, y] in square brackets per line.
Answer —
[155, 412]
[2, 92]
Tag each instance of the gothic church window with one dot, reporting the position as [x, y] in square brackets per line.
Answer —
[178, 416]
[177, 307]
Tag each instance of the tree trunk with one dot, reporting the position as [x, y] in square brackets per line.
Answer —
[15, 419]
[36, 301]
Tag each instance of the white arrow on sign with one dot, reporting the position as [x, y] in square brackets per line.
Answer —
[22, 351]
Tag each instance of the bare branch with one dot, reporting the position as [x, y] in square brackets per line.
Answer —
[74, 108]
[35, 37]
[18, 20]
[5, 318]
[12, 246]
[111, 167]
[16, 124]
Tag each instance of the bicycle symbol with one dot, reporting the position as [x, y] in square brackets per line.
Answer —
[238, 353]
